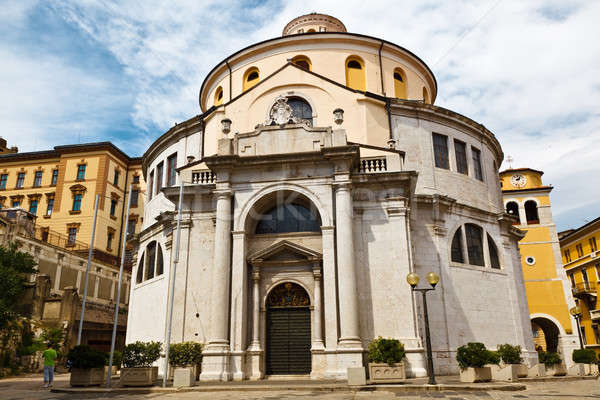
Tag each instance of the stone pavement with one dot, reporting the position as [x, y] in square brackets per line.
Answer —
[30, 388]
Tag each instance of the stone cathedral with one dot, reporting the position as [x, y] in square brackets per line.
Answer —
[318, 174]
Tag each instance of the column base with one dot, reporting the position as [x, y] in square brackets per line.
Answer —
[349, 358]
[416, 364]
[215, 363]
[254, 358]
[319, 363]
[237, 364]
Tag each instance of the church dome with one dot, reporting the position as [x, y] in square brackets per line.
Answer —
[313, 22]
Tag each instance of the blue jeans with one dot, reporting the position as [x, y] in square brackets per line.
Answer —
[48, 374]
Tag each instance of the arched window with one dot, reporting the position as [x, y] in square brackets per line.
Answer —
[493, 250]
[301, 109]
[531, 212]
[457, 248]
[288, 218]
[140, 272]
[355, 73]
[251, 78]
[399, 83]
[426, 96]
[159, 262]
[474, 236]
[218, 96]
[150, 260]
[512, 208]
[311, 30]
[303, 62]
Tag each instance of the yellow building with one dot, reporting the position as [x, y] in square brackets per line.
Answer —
[581, 260]
[59, 186]
[548, 290]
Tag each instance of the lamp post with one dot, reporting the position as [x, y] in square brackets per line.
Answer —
[433, 279]
[576, 313]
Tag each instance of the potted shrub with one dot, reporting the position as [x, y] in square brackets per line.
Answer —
[187, 356]
[137, 363]
[512, 366]
[472, 360]
[385, 360]
[117, 358]
[87, 366]
[585, 361]
[553, 363]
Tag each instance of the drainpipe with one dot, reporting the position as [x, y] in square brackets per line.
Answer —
[381, 69]
[389, 115]
[229, 68]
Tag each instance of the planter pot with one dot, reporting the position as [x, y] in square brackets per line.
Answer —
[536, 371]
[505, 372]
[195, 368]
[593, 369]
[470, 375]
[113, 370]
[141, 376]
[577, 369]
[522, 370]
[184, 377]
[386, 373]
[556, 370]
[87, 376]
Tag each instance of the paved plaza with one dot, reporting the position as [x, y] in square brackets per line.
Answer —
[30, 388]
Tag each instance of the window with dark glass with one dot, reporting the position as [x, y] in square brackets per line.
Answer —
[81, 172]
[33, 206]
[54, 177]
[50, 206]
[460, 151]
[113, 207]
[150, 185]
[159, 262]
[72, 235]
[172, 169]
[456, 248]
[440, 150]
[134, 197]
[136, 179]
[109, 240]
[151, 260]
[77, 202]
[140, 271]
[584, 275]
[531, 212]
[493, 250]
[568, 255]
[288, 218]
[20, 179]
[474, 244]
[572, 279]
[116, 178]
[593, 246]
[131, 227]
[301, 109]
[512, 208]
[477, 163]
[37, 179]
[159, 177]
[3, 180]
[16, 203]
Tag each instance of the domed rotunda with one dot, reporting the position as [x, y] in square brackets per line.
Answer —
[317, 176]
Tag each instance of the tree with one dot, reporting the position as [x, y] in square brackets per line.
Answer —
[15, 265]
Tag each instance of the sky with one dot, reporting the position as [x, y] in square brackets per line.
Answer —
[126, 71]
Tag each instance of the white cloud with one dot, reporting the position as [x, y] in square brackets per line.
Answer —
[528, 70]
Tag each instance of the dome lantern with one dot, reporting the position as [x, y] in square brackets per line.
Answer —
[312, 23]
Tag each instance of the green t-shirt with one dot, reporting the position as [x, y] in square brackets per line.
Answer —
[49, 357]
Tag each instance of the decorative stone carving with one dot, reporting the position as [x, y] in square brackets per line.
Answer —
[288, 295]
[282, 113]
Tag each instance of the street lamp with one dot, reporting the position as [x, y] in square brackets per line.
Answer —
[433, 279]
[576, 313]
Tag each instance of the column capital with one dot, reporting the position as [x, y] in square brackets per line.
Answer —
[223, 193]
[317, 272]
[327, 229]
[342, 186]
[238, 234]
[256, 274]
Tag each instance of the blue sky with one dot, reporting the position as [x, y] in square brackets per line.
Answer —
[92, 70]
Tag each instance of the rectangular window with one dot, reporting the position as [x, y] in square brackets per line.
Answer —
[475, 244]
[440, 151]
[116, 179]
[3, 180]
[477, 163]
[37, 179]
[54, 177]
[77, 202]
[172, 169]
[593, 246]
[136, 179]
[572, 278]
[109, 240]
[598, 274]
[579, 250]
[16, 204]
[20, 179]
[586, 281]
[131, 227]
[72, 236]
[596, 333]
[50, 206]
[150, 185]
[33, 205]
[460, 151]
[134, 197]
[80, 172]
[159, 177]
[113, 207]
[568, 256]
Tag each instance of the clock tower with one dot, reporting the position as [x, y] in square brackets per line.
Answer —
[549, 296]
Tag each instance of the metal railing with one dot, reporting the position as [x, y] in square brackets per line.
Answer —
[203, 177]
[369, 165]
[58, 240]
[582, 288]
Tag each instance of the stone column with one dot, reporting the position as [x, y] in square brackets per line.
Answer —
[330, 303]
[57, 277]
[239, 306]
[215, 361]
[255, 351]
[318, 333]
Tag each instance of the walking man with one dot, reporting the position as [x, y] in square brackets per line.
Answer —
[49, 357]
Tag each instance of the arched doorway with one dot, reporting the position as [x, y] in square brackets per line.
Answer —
[545, 334]
[288, 330]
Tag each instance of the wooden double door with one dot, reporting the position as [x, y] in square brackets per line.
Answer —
[288, 341]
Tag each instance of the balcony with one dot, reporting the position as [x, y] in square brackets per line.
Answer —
[595, 315]
[584, 289]
[203, 177]
[369, 165]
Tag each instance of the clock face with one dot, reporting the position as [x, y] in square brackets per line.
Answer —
[518, 180]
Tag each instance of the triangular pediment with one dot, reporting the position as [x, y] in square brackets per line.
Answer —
[286, 252]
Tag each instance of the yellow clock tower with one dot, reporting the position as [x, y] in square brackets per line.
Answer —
[547, 286]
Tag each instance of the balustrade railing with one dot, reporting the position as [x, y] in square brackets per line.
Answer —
[369, 165]
[203, 177]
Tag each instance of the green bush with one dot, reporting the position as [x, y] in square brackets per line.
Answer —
[549, 359]
[475, 355]
[117, 358]
[510, 354]
[389, 351]
[141, 354]
[186, 353]
[84, 357]
[585, 356]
